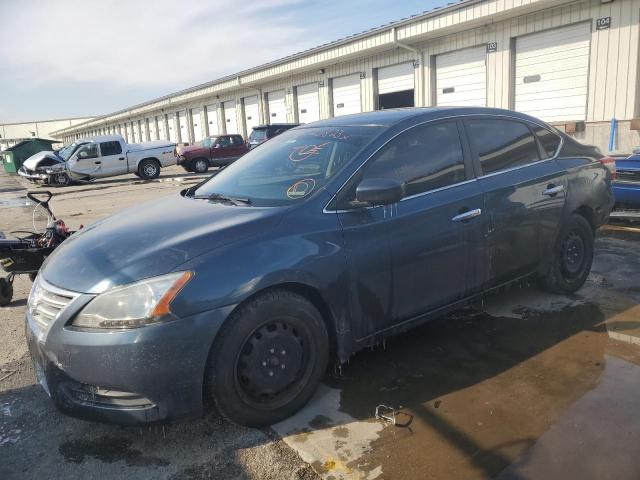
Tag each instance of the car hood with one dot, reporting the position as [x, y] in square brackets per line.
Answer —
[152, 239]
[191, 150]
[32, 162]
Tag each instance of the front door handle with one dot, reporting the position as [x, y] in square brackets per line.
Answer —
[98, 163]
[466, 216]
[121, 158]
[552, 190]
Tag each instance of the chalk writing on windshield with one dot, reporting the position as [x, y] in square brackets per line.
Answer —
[301, 188]
[298, 154]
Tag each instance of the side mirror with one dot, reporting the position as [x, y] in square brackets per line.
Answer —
[379, 191]
[83, 154]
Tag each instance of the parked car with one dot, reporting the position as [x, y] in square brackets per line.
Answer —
[214, 151]
[322, 242]
[262, 133]
[38, 167]
[99, 157]
[626, 187]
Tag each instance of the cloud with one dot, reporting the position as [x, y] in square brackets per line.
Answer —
[132, 44]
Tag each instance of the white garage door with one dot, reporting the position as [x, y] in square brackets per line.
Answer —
[461, 78]
[396, 78]
[251, 113]
[136, 132]
[126, 134]
[308, 103]
[552, 73]
[230, 116]
[143, 130]
[346, 95]
[184, 128]
[212, 119]
[198, 127]
[173, 135]
[162, 134]
[277, 107]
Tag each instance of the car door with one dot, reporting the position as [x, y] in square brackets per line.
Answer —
[86, 162]
[239, 146]
[423, 252]
[221, 151]
[114, 160]
[521, 189]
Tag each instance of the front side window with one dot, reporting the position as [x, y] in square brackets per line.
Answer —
[501, 144]
[425, 158]
[291, 167]
[110, 148]
[89, 150]
[207, 142]
[550, 141]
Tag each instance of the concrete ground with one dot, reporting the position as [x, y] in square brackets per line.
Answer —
[524, 386]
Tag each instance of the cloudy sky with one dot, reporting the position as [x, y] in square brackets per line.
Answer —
[68, 58]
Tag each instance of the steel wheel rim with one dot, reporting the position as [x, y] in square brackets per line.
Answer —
[149, 170]
[61, 179]
[265, 377]
[573, 253]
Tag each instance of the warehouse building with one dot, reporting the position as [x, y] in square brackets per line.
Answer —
[13, 133]
[571, 63]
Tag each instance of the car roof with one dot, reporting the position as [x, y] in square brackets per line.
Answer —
[390, 117]
[260, 127]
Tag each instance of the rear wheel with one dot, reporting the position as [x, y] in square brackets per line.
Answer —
[268, 360]
[6, 292]
[572, 257]
[149, 169]
[199, 165]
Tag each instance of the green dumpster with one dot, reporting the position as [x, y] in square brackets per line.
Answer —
[13, 157]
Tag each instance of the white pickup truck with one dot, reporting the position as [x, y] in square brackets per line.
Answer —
[99, 157]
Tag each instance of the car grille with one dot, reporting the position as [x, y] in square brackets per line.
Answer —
[104, 397]
[628, 176]
[46, 302]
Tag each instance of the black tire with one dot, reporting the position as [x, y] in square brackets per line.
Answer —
[572, 257]
[199, 165]
[60, 179]
[149, 168]
[6, 292]
[247, 374]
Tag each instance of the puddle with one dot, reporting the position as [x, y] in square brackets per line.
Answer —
[20, 202]
[107, 449]
[481, 390]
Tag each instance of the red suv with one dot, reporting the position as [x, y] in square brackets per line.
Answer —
[215, 151]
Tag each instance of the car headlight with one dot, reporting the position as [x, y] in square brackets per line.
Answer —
[134, 305]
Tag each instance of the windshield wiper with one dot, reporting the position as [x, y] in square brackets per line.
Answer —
[224, 198]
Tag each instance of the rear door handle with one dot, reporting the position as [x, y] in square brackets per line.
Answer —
[466, 216]
[552, 190]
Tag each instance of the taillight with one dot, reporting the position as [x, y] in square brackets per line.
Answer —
[610, 164]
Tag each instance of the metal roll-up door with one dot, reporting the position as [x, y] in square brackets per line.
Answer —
[212, 119]
[308, 103]
[230, 118]
[346, 95]
[136, 132]
[251, 113]
[461, 78]
[552, 73]
[143, 130]
[184, 128]
[277, 107]
[162, 134]
[396, 86]
[153, 129]
[198, 126]
[173, 134]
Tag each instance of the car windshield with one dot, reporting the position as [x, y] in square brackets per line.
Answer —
[207, 142]
[290, 167]
[258, 135]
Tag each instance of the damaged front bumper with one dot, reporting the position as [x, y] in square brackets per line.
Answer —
[33, 176]
[139, 376]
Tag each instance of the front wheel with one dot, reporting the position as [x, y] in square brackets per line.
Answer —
[572, 257]
[6, 292]
[149, 169]
[268, 360]
[61, 179]
[199, 165]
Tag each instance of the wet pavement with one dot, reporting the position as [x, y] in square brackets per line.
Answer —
[525, 385]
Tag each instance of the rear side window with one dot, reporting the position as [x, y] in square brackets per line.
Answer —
[424, 158]
[110, 148]
[502, 144]
[550, 141]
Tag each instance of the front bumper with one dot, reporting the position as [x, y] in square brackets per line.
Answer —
[33, 176]
[145, 375]
[627, 194]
